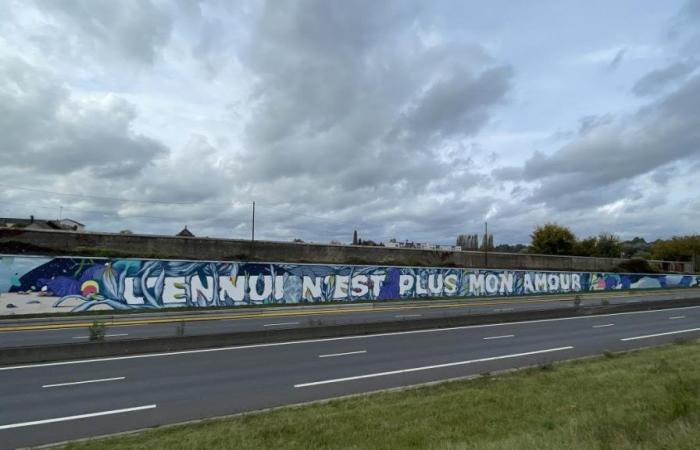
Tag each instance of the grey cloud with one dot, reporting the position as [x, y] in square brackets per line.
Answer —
[617, 60]
[656, 80]
[591, 122]
[46, 130]
[600, 163]
[349, 97]
[660, 133]
[132, 30]
[461, 103]
[568, 193]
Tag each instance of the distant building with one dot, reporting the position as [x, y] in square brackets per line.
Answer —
[41, 224]
[422, 246]
[185, 233]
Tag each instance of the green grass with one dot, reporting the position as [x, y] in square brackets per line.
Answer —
[641, 400]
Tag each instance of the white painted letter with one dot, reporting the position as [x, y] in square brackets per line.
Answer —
[359, 286]
[129, 296]
[491, 283]
[553, 282]
[435, 283]
[232, 286]
[405, 284]
[420, 289]
[267, 287]
[565, 281]
[575, 282]
[451, 284]
[506, 283]
[197, 288]
[377, 281]
[541, 282]
[476, 284]
[279, 287]
[311, 288]
[528, 288]
[173, 293]
[341, 287]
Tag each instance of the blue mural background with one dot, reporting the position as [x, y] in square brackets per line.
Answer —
[48, 284]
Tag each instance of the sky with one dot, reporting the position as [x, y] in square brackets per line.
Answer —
[400, 119]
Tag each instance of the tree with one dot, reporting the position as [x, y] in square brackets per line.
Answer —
[506, 248]
[462, 240]
[586, 247]
[552, 239]
[608, 246]
[636, 248]
[678, 248]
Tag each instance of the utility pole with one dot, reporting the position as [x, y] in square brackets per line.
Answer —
[486, 244]
[252, 231]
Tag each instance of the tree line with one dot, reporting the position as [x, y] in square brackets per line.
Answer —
[555, 239]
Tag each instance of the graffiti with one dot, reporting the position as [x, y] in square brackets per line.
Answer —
[41, 284]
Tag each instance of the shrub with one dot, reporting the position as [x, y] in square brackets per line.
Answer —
[97, 331]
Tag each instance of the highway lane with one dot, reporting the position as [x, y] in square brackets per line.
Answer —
[38, 331]
[52, 402]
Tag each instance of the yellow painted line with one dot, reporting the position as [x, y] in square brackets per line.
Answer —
[263, 315]
[346, 310]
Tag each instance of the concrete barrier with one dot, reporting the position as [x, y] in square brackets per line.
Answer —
[42, 242]
[59, 352]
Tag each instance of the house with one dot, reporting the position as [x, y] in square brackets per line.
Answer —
[41, 224]
[185, 233]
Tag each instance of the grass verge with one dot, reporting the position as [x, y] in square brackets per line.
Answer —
[642, 400]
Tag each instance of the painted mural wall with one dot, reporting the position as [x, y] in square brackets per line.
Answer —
[65, 284]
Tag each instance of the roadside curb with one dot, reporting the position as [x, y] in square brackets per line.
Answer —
[73, 351]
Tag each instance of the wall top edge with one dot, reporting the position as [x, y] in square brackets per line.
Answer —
[4, 255]
[313, 244]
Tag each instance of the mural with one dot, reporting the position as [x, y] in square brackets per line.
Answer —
[45, 284]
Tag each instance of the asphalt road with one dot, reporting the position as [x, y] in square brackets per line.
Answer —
[52, 402]
[41, 331]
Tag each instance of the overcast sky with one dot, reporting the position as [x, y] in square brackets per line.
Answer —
[401, 119]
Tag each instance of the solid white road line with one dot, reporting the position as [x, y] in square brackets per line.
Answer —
[280, 324]
[503, 309]
[436, 366]
[83, 382]
[407, 315]
[79, 416]
[676, 317]
[603, 325]
[634, 338]
[106, 335]
[342, 354]
[340, 338]
[499, 337]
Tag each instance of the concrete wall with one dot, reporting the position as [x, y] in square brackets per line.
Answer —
[17, 241]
